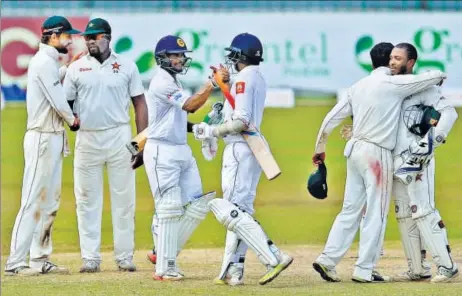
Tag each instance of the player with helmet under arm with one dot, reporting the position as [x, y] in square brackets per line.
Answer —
[241, 171]
[170, 166]
[415, 203]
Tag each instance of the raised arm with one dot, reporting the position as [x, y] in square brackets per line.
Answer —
[406, 85]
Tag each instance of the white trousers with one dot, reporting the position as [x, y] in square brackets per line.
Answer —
[368, 183]
[95, 150]
[240, 174]
[40, 198]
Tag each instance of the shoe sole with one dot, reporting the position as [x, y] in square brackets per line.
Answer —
[270, 279]
[323, 273]
[361, 281]
[127, 269]
[89, 271]
[167, 279]
[21, 274]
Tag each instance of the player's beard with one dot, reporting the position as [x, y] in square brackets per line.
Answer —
[402, 70]
[64, 44]
[98, 48]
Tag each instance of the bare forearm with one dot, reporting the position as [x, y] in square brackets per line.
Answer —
[199, 98]
[141, 113]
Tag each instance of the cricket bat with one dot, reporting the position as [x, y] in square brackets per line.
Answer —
[255, 140]
[137, 143]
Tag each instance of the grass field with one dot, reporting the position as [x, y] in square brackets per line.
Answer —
[284, 207]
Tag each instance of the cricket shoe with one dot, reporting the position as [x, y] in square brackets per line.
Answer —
[409, 276]
[378, 278]
[169, 275]
[327, 273]
[152, 256]
[234, 276]
[126, 265]
[444, 275]
[48, 267]
[273, 272]
[90, 266]
[22, 271]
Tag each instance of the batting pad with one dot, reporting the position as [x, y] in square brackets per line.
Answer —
[232, 242]
[195, 212]
[434, 233]
[169, 210]
[246, 228]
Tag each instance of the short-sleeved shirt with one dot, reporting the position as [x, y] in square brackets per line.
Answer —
[165, 100]
[249, 92]
[102, 92]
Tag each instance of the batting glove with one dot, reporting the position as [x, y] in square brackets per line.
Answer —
[203, 131]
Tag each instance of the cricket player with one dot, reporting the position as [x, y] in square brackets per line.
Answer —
[240, 170]
[415, 203]
[100, 85]
[170, 166]
[45, 143]
[375, 102]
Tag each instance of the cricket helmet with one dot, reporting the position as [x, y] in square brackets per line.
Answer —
[245, 48]
[317, 182]
[171, 45]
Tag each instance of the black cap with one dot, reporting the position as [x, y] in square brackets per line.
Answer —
[57, 24]
[317, 182]
[97, 26]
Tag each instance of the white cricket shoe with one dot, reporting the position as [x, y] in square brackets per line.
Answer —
[22, 271]
[234, 275]
[169, 275]
[273, 272]
[90, 266]
[444, 275]
[327, 273]
[126, 265]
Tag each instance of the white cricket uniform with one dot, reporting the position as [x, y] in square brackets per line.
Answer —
[241, 172]
[102, 95]
[44, 144]
[375, 102]
[170, 166]
[418, 198]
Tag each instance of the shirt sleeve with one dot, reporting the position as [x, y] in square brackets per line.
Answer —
[70, 88]
[62, 72]
[244, 101]
[50, 84]
[340, 111]
[447, 119]
[406, 85]
[170, 94]
[136, 86]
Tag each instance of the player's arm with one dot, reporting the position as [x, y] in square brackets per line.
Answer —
[50, 84]
[340, 111]
[406, 85]
[242, 114]
[446, 122]
[189, 127]
[136, 91]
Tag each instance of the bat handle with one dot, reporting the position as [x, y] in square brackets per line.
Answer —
[133, 148]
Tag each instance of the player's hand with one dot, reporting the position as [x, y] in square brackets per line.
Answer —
[209, 148]
[319, 158]
[76, 57]
[76, 125]
[137, 160]
[203, 131]
[346, 131]
[220, 77]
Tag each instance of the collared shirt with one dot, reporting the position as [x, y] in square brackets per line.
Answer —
[47, 108]
[249, 92]
[102, 92]
[165, 100]
[375, 102]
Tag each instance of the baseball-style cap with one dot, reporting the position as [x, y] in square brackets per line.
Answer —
[97, 26]
[57, 24]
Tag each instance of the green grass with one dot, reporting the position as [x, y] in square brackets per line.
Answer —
[284, 207]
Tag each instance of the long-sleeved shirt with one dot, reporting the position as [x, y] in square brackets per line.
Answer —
[375, 102]
[47, 107]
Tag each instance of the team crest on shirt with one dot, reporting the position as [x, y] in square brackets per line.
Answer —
[240, 87]
[115, 67]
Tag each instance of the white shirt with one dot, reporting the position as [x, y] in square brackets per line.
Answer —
[430, 97]
[165, 100]
[45, 99]
[249, 93]
[375, 102]
[102, 92]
